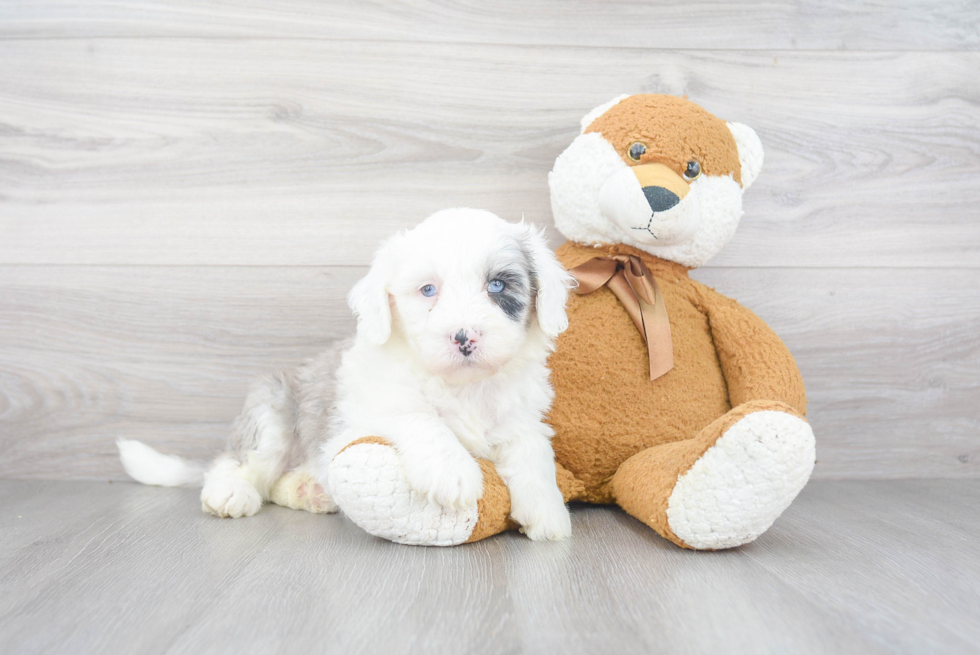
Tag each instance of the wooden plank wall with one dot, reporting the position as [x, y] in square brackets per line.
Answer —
[189, 187]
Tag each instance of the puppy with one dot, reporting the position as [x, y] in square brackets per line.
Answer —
[455, 322]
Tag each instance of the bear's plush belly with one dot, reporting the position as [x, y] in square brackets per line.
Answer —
[606, 408]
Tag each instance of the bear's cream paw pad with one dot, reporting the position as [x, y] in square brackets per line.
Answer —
[735, 491]
[369, 484]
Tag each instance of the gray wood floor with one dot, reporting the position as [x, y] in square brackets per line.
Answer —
[852, 567]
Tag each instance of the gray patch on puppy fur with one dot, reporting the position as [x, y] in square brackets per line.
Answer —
[512, 266]
[532, 274]
[298, 401]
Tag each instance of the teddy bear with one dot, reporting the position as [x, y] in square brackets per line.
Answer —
[671, 401]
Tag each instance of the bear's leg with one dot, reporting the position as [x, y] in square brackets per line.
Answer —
[727, 485]
[367, 480]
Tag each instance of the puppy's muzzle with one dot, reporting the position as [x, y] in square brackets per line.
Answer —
[465, 341]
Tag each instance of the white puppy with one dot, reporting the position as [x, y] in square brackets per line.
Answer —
[455, 322]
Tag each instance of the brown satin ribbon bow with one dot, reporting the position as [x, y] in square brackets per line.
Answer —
[633, 283]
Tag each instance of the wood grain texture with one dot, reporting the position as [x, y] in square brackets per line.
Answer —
[168, 354]
[165, 354]
[748, 25]
[307, 152]
[189, 187]
[851, 567]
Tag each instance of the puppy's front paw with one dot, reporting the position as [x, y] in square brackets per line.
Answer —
[543, 519]
[448, 478]
[230, 497]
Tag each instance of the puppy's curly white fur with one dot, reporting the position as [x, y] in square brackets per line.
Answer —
[455, 322]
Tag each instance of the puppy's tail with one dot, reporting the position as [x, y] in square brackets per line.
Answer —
[146, 465]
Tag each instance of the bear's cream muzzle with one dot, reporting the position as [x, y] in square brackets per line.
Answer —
[651, 201]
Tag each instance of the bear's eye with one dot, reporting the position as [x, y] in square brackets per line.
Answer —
[693, 171]
[636, 151]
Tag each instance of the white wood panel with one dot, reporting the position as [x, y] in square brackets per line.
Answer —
[92, 354]
[276, 152]
[890, 358]
[746, 25]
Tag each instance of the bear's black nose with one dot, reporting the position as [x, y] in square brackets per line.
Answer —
[660, 199]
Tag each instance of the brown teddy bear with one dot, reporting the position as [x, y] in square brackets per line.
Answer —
[672, 401]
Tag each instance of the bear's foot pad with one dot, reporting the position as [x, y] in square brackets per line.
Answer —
[740, 485]
[368, 482]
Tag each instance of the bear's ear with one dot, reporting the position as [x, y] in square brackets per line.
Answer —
[369, 297]
[589, 118]
[750, 153]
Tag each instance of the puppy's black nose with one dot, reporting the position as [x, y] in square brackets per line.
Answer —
[659, 198]
[461, 338]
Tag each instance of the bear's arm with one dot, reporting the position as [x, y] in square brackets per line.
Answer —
[756, 363]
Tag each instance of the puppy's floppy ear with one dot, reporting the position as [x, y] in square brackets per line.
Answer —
[369, 297]
[551, 280]
[750, 153]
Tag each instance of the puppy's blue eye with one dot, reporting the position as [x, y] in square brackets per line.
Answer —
[428, 290]
[496, 286]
